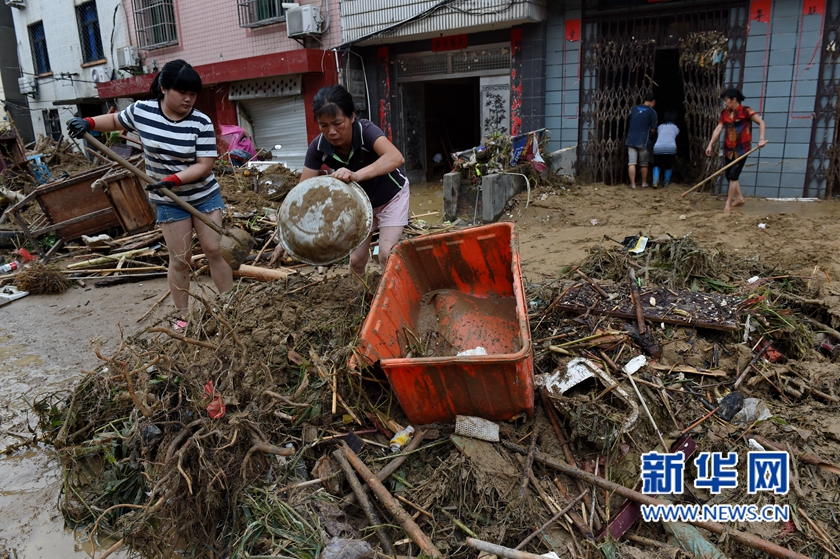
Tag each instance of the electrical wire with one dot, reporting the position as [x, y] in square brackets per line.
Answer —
[473, 12]
[416, 17]
[114, 30]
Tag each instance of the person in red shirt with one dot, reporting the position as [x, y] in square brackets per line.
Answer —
[737, 120]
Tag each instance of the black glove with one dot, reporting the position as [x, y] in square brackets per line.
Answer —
[77, 127]
[158, 185]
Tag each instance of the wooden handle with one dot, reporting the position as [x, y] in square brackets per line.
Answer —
[719, 171]
[165, 191]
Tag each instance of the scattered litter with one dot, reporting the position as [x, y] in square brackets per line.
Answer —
[730, 404]
[477, 428]
[577, 370]
[341, 548]
[478, 350]
[635, 364]
[639, 246]
[762, 226]
[681, 218]
[753, 279]
[753, 410]
[11, 293]
[401, 438]
[755, 445]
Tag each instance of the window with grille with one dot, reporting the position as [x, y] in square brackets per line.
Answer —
[38, 42]
[52, 124]
[154, 23]
[89, 35]
[254, 13]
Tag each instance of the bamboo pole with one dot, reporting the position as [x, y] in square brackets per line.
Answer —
[110, 258]
[718, 172]
[383, 496]
[98, 270]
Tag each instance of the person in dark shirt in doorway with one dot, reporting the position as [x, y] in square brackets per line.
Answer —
[641, 123]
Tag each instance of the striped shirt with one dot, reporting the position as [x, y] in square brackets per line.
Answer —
[171, 146]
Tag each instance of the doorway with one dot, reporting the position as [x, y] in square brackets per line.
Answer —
[452, 122]
[670, 96]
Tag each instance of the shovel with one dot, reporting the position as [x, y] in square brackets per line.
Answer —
[235, 245]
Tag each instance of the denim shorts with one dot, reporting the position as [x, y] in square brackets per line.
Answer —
[170, 214]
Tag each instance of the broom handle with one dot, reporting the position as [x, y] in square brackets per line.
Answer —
[722, 169]
[143, 176]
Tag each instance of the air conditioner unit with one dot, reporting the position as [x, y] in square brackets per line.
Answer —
[100, 74]
[19, 4]
[127, 58]
[303, 20]
[27, 85]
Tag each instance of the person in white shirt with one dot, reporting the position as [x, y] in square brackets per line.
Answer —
[665, 149]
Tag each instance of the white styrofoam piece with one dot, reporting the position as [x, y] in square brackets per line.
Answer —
[11, 293]
[635, 364]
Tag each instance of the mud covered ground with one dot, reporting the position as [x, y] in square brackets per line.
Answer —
[45, 345]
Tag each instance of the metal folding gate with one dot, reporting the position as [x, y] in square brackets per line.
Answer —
[619, 52]
[822, 176]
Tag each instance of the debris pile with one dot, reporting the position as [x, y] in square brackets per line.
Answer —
[248, 435]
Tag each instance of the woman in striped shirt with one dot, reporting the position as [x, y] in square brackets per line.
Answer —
[179, 145]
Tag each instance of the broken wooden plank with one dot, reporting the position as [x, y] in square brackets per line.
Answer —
[682, 308]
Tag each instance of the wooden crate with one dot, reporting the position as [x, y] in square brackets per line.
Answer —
[74, 207]
[86, 204]
[129, 199]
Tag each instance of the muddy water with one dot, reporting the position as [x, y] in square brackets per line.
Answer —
[44, 346]
[427, 197]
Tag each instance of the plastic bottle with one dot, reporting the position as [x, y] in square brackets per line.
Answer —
[10, 267]
[401, 439]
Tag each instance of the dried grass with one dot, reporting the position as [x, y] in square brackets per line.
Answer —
[40, 279]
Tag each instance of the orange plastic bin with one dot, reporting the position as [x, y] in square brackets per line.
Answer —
[463, 290]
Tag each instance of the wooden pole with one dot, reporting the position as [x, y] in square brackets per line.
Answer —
[364, 502]
[394, 464]
[411, 528]
[716, 173]
[262, 274]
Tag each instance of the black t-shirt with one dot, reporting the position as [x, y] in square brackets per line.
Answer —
[379, 189]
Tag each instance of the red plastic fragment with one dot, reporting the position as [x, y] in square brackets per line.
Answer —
[216, 408]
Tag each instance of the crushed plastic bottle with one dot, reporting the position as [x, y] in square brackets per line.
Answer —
[10, 267]
[401, 439]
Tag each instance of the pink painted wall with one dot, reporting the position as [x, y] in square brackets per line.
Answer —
[209, 32]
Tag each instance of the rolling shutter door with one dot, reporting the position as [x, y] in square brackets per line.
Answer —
[280, 120]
